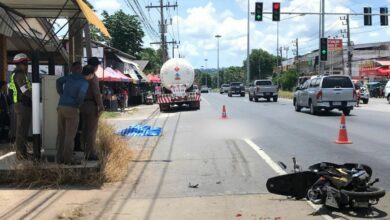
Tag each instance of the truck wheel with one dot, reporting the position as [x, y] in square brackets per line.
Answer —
[275, 98]
[250, 97]
[242, 94]
[365, 101]
[268, 99]
[347, 112]
[230, 95]
[164, 107]
[313, 110]
[388, 98]
[256, 99]
[297, 107]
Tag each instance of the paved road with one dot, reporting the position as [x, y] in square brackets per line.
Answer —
[197, 147]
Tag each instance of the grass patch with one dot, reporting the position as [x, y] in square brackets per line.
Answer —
[286, 94]
[106, 115]
[114, 157]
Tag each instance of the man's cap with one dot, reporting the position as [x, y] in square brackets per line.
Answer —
[19, 58]
[94, 61]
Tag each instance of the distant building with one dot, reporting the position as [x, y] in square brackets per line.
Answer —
[369, 61]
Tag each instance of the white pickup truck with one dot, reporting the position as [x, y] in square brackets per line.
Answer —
[263, 89]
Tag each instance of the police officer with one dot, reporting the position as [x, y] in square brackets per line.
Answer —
[90, 113]
[20, 87]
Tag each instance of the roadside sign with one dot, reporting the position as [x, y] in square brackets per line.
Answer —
[335, 44]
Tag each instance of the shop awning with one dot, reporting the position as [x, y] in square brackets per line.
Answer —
[132, 69]
[109, 75]
[154, 78]
[54, 9]
[120, 75]
[383, 62]
[377, 71]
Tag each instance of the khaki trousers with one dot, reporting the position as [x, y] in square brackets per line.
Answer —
[23, 121]
[68, 121]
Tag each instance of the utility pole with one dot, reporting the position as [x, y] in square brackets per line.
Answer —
[349, 45]
[163, 26]
[296, 44]
[248, 75]
[173, 42]
[286, 49]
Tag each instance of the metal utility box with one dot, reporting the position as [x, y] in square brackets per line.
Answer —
[50, 100]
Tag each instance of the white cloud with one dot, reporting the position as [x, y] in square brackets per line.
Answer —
[110, 6]
[200, 25]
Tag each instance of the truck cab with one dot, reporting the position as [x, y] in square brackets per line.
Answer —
[236, 88]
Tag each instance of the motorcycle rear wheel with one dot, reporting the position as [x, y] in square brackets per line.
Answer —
[371, 193]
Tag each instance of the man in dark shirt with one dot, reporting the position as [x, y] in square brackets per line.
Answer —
[90, 113]
[72, 90]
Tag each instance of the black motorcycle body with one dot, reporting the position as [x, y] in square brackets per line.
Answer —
[334, 185]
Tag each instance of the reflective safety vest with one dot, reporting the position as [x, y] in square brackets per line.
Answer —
[13, 88]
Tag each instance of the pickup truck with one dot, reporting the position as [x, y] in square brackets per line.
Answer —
[263, 89]
[236, 88]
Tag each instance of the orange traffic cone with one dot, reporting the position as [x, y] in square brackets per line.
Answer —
[224, 116]
[343, 136]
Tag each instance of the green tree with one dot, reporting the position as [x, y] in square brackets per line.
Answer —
[288, 79]
[126, 32]
[232, 74]
[261, 64]
[154, 57]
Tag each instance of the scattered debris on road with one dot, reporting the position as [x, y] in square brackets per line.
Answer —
[193, 186]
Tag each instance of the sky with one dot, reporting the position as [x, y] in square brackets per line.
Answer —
[196, 22]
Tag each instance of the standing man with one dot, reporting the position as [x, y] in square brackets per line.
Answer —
[72, 89]
[20, 87]
[90, 113]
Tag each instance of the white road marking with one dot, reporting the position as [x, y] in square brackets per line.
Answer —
[259, 150]
[205, 100]
[7, 155]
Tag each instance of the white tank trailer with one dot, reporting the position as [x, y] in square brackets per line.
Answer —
[177, 77]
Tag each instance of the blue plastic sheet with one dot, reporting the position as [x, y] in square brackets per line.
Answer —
[140, 131]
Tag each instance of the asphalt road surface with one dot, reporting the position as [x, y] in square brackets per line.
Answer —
[205, 167]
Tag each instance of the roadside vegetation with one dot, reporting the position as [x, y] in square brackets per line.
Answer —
[114, 157]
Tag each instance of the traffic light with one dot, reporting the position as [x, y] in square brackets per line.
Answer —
[367, 18]
[276, 11]
[259, 11]
[384, 16]
[324, 49]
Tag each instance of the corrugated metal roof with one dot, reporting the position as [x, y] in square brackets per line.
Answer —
[4, 20]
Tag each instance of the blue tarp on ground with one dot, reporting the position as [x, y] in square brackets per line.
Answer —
[140, 131]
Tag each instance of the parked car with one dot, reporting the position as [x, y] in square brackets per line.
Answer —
[387, 91]
[263, 89]
[326, 93]
[204, 89]
[224, 88]
[196, 89]
[236, 88]
[374, 89]
[364, 92]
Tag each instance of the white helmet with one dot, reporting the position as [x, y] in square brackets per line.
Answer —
[20, 57]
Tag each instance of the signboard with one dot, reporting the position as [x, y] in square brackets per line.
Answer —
[335, 44]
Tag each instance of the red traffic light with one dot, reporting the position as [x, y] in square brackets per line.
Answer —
[276, 5]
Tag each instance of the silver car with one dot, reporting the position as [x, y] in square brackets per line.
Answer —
[326, 93]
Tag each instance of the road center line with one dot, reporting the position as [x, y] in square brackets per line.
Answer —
[205, 100]
[259, 150]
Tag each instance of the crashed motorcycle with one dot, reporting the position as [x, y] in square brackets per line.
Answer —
[329, 184]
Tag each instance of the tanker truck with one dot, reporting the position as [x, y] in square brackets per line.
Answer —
[177, 78]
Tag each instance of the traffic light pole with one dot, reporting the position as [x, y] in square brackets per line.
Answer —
[248, 75]
[322, 25]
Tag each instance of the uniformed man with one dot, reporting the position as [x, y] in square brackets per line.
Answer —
[20, 87]
[72, 89]
[90, 113]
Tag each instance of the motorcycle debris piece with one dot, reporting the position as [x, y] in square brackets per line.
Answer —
[193, 186]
